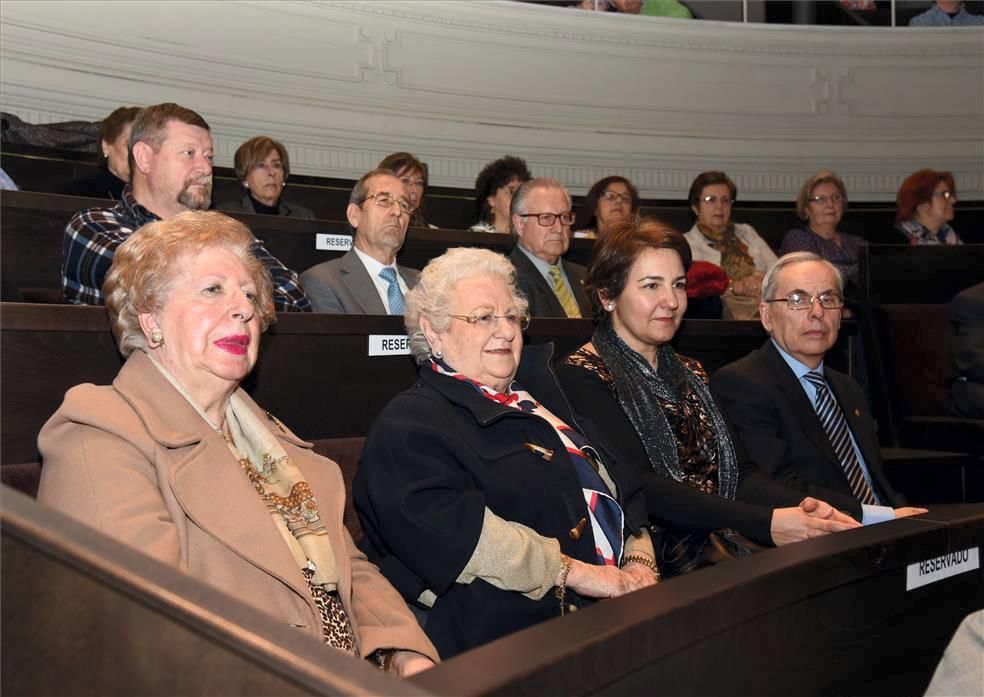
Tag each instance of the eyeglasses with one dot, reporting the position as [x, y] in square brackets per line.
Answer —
[725, 200]
[548, 219]
[823, 198]
[384, 199]
[802, 301]
[946, 193]
[613, 196]
[487, 320]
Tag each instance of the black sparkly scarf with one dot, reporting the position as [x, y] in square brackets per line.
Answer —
[637, 387]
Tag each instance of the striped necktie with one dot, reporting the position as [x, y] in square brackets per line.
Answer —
[394, 296]
[563, 294]
[834, 423]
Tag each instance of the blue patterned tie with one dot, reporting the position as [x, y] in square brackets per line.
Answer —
[394, 296]
[834, 423]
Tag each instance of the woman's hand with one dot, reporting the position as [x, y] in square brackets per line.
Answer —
[811, 518]
[642, 574]
[407, 663]
[594, 581]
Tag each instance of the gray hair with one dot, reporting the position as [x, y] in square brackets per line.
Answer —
[517, 205]
[434, 293]
[772, 275]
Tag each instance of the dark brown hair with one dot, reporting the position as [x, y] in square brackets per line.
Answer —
[586, 217]
[615, 253]
[254, 151]
[113, 125]
[399, 162]
[705, 179]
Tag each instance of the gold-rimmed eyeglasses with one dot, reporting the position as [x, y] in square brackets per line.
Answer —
[487, 320]
[384, 199]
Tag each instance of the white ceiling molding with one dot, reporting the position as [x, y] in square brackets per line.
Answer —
[580, 95]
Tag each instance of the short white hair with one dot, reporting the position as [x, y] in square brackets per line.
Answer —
[435, 291]
[786, 260]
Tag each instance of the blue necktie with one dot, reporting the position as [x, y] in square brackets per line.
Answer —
[394, 296]
[834, 423]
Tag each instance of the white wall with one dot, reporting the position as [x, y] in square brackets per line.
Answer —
[580, 95]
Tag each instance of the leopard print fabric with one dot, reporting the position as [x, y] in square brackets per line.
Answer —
[336, 630]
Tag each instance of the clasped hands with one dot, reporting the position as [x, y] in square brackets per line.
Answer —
[593, 581]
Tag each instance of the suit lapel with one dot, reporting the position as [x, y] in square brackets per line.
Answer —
[357, 281]
[538, 284]
[576, 276]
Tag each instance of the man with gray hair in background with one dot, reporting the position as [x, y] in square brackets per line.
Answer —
[803, 423]
[170, 157]
[541, 222]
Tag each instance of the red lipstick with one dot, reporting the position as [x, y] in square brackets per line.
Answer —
[235, 344]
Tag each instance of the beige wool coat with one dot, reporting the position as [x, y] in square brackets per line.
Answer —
[135, 461]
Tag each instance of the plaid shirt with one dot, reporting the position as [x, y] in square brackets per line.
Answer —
[91, 239]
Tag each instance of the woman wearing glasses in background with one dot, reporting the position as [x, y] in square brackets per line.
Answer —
[820, 204]
[735, 247]
[474, 484]
[925, 204]
[611, 200]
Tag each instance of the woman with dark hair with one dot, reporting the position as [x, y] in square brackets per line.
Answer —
[658, 408]
[262, 167]
[413, 173]
[494, 187]
[735, 247]
[611, 200]
[821, 204]
[114, 165]
[925, 204]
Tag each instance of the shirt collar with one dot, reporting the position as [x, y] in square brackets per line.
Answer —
[541, 266]
[372, 265]
[134, 209]
[799, 369]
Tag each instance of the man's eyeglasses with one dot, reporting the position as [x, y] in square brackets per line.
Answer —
[802, 301]
[548, 219]
[386, 200]
[613, 196]
[823, 198]
[725, 200]
[487, 320]
[946, 193]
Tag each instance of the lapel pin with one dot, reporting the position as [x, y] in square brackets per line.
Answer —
[545, 453]
[578, 529]
[857, 412]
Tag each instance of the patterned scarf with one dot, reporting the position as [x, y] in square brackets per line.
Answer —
[637, 387]
[920, 234]
[607, 519]
[735, 259]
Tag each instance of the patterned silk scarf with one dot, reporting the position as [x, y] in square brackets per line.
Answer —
[607, 519]
[735, 259]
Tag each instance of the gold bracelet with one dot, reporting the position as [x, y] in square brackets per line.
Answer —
[644, 560]
[565, 568]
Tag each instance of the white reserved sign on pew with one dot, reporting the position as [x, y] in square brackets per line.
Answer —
[332, 243]
[938, 568]
[389, 345]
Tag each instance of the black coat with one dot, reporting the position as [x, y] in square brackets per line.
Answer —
[543, 301]
[435, 458]
[781, 431]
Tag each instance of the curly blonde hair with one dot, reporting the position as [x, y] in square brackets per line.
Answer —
[434, 293]
[146, 266]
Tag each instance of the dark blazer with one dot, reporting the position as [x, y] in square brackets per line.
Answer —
[543, 301]
[967, 324]
[343, 286]
[780, 429]
[245, 205]
[435, 458]
[102, 184]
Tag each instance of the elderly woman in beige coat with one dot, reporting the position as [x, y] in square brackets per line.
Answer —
[175, 460]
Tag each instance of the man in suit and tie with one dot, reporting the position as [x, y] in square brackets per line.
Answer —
[804, 423]
[541, 221]
[366, 280]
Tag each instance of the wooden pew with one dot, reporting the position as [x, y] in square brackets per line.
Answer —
[921, 275]
[833, 615]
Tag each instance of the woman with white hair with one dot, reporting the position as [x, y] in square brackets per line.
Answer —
[482, 496]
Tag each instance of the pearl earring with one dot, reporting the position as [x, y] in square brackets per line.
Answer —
[610, 306]
[157, 337]
[438, 354]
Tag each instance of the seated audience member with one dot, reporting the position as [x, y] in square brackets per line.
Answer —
[924, 208]
[967, 321]
[366, 280]
[735, 247]
[804, 423]
[541, 220]
[114, 167]
[170, 172]
[262, 167]
[946, 13]
[820, 204]
[657, 408]
[960, 671]
[494, 188]
[175, 460]
[474, 484]
[6, 183]
[413, 173]
[610, 201]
